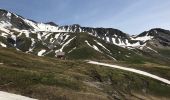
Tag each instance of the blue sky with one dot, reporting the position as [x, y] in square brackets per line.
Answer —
[130, 16]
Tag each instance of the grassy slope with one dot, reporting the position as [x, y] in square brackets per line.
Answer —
[83, 51]
[46, 78]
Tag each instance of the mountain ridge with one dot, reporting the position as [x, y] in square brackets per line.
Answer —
[46, 39]
[30, 64]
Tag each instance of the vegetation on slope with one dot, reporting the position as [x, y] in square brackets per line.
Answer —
[51, 79]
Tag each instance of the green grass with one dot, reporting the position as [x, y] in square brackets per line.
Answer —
[51, 79]
[165, 52]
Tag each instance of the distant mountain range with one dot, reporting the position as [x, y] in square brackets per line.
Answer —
[46, 39]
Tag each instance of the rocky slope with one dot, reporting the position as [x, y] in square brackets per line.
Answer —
[46, 39]
[47, 78]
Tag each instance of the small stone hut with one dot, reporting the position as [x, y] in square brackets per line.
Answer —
[60, 55]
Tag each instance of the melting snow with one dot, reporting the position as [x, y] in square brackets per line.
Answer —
[137, 44]
[61, 49]
[94, 47]
[112, 57]
[105, 49]
[40, 53]
[127, 44]
[88, 43]
[114, 41]
[32, 42]
[57, 36]
[4, 35]
[32, 45]
[101, 45]
[26, 33]
[5, 24]
[3, 45]
[39, 36]
[9, 15]
[10, 96]
[143, 38]
[107, 39]
[47, 35]
[43, 27]
[66, 37]
[152, 49]
[121, 43]
[72, 50]
[132, 70]
[14, 38]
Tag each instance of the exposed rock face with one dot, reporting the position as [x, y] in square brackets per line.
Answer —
[32, 37]
[161, 37]
[51, 23]
[13, 20]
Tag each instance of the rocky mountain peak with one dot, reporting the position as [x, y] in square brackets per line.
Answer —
[33, 37]
[52, 23]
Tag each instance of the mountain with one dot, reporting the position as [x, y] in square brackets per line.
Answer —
[24, 71]
[46, 39]
[158, 41]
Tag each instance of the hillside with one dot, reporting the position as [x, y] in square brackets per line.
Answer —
[47, 78]
[29, 65]
[46, 39]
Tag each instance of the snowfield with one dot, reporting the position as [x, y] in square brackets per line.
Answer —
[132, 70]
[10, 96]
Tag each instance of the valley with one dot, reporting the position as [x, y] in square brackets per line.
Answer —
[47, 61]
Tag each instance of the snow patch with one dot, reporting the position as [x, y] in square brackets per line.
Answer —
[4, 35]
[67, 36]
[41, 27]
[152, 49]
[40, 53]
[143, 38]
[32, 45]
[72, 50]
[94, 47]
[102, 45]
[88, 43]
[132, 70]
[14, 38]
[39, 36]
[65, 44]
[3, 45]
[137, 44]
[112, 57]
[10, 96]
[57, 36]
[4, 24]
[47, 35]
[9, 15]
[107, 39]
